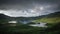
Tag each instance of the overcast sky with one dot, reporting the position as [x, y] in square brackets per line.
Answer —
[28, 8]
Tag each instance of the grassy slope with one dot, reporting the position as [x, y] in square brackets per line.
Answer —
[51, 18]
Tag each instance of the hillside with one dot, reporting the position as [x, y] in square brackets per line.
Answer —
[4, 18]
[50, 18]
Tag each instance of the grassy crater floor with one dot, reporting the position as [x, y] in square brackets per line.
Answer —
[24, 29]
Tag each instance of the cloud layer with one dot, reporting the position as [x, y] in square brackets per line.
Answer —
[28, 8]
[35, 11]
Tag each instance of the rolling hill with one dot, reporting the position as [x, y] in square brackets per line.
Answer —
[50, 18]
[4, 18]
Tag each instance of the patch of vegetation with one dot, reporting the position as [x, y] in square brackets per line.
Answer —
[25, 29]
[49, 20]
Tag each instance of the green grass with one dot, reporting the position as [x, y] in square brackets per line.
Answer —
[48, 20]
[22, 29]
[25, 29]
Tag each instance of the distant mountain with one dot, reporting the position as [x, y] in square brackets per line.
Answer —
[5, 18]
[50, 18]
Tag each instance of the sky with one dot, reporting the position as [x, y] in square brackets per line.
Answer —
[28, 8]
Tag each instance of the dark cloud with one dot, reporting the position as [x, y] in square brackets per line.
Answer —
[40, 6]
[5, 4]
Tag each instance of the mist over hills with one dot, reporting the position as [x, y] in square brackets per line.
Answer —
[53, 17]
[5, 18]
